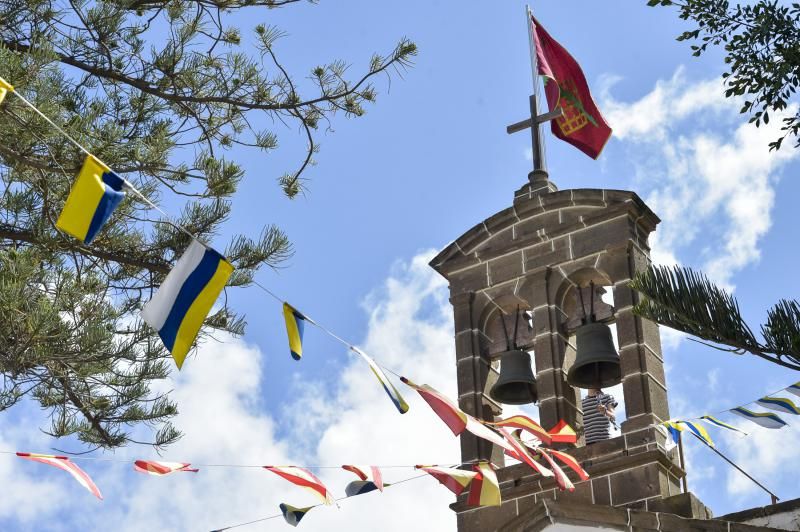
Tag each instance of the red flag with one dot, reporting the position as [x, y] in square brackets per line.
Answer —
[565, 86]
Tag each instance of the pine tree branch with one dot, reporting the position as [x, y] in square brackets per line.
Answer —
[399, 57]
[21, 235]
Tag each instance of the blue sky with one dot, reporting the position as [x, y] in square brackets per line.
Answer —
[425, 164]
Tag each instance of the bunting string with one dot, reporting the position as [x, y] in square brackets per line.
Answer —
[339, 499]
[179, 356]
[769, 420]
[185, 298]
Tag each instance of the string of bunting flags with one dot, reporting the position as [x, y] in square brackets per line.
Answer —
[184, 300]
[769, 420]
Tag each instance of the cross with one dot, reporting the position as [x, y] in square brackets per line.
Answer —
[536, 136]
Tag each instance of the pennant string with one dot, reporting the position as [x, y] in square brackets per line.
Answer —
[47, 119]
[128, 184]
[310, 507]
[321, 327]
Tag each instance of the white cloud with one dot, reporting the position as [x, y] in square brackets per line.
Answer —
[410, 331]
[709, 175]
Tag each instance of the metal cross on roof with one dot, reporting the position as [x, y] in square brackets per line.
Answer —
[536, 134]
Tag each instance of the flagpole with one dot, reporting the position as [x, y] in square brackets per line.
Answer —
[539, 169]
[774, 497]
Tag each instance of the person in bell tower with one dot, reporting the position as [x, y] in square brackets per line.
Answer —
[598, 415]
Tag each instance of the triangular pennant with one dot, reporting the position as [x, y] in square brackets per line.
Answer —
[295, 323]
[303, 478]
[388, 387]
[152, 467]
[484, 490]
[293, 515]
[779, 404]
[64, 463]
[764, 419]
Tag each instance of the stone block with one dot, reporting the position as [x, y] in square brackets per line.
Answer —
[473, 238]
[528, 208]
[472, 375]
[557, 200]
[471, 279]
[595, 239]
[632, 329]
[582, 494]
[505, 268]
[545, 320]
[635, 484]
[547, 353]
[465, 345]
[551, 253]
[644, 396]
[499, 244]
[502, 220]
[543, 223]
[639, 359]
[601, 491]
[617, 196]
[684, 505]
[525, 504]
[588, 196]
[487, 517]
[674, 522]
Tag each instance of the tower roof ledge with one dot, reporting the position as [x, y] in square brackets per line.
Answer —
[544, 216]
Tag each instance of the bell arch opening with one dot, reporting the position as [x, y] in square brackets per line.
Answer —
[591, 354]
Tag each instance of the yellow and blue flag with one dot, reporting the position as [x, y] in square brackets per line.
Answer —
[293, 515]
[717, 422]
[95, 194]
[765, 419]
[779, 404]
[678, 426]
[794, 388]
[295, 323]
[5, 88]
[388, 387]
[700, 431]
[185, 298]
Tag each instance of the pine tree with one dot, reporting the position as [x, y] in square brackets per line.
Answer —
[160, 91]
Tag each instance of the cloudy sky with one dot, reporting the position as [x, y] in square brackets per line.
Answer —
[426, 163]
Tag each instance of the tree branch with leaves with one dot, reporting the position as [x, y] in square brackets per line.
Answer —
[162, 92]
[761, 41]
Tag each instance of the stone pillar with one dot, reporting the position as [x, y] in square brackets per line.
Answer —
[643, 379]
[472, 373]
[557, 400]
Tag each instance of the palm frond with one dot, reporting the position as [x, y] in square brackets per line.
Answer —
[685, 300]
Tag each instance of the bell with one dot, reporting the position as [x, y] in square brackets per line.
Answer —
[596, 361]
[516, 384]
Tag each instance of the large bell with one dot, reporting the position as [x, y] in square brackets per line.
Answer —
[596, 361]
[516, 384]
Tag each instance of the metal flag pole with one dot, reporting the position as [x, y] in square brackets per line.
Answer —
[774, 497]
[536, 133]
[539, 172]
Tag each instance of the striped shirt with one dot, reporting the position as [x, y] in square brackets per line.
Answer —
[595, 424]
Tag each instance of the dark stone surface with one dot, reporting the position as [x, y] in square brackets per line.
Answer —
[602, 491]
[683, 504]
[635, 484]
[487, 517]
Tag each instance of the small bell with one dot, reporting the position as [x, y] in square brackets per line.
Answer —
[516, 384]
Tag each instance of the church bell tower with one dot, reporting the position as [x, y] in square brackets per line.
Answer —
[524, 270]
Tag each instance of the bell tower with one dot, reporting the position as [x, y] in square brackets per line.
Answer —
[541, 266]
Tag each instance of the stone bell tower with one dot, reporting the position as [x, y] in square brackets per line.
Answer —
[524, 266]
